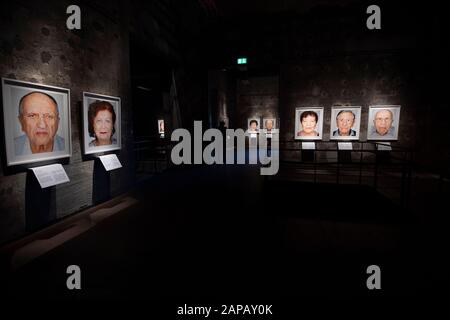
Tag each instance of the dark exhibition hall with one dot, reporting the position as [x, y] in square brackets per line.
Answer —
[223, 158]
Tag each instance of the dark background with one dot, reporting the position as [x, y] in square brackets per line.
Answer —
[300, 53]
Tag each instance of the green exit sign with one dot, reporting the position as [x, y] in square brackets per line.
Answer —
[242, 61]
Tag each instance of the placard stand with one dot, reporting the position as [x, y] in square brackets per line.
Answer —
[383, 154]
[308, 151]
[344, 152]
[40, 195]
[101, 184]
[269, 144]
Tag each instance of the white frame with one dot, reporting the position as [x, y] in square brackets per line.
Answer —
[259, 124]
[298, 127]
[116, 102]
[10, 116]
[159, 124]
[395, 109]
[275, 125]
[356, 125]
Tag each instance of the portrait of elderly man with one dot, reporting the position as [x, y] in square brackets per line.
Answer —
[345, 120]
[268, 124]
[39, 120]
[382, 122]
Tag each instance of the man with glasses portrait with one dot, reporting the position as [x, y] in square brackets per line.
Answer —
[39, 120]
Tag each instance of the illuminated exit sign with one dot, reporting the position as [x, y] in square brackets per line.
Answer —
[242, 61]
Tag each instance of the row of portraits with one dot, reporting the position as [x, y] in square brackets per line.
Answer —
[345, 122]
[38, 126]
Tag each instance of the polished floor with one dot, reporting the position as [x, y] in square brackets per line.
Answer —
[226, 232]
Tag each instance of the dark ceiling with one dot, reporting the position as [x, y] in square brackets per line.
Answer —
[233, 8]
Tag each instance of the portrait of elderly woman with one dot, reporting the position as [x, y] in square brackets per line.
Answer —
[101, 123]
[253, 125]
[308, 123]
[102, 119]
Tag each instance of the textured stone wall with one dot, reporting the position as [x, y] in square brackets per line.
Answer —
[256, 97]
[352, 80]
[36, 46]
[324, 56]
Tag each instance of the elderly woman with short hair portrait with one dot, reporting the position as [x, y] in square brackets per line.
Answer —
[102, 120]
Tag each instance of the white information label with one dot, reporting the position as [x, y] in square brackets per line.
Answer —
[386, 146]
[110, 162]
[345, 146]
[269, 136]
[253, 135]
[50, 175]
[308, 146]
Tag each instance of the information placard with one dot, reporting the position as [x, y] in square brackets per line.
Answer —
[110, 162]
[50, 175]
[308, 146]
[345, 146]
[385, 146]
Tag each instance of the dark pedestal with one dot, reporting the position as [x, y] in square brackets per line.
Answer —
[101, 186]
[308, 155]
[40, 204]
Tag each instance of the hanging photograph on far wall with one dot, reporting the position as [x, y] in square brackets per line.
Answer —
[345, 123]
[101, 123]
[270, 125]
[308, 123]
[383, 123]
[223, 123]
[253, 125]
[161, 126]
[36, 121]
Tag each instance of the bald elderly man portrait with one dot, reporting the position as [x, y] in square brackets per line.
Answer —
[39, 120]
[383, 124]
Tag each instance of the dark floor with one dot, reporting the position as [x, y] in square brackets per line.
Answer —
[228, 233]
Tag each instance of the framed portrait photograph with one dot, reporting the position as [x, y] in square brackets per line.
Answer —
[384, 122]
[224, 122]
[36, 122]
[308, 123]
[345, 123]
[253, 125]
[101, 123]
[270, 125]
[161, 126]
